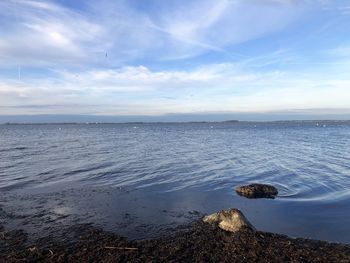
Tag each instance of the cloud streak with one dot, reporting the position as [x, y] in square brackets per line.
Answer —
[62, 36]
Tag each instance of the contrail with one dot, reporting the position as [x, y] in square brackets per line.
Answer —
[19, 72]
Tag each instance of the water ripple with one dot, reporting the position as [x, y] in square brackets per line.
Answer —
[304, 161]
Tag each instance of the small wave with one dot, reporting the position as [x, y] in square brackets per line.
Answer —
[285, 191]
[14, 149]
[88, 169]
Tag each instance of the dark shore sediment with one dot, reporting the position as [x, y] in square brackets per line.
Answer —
[198, 242]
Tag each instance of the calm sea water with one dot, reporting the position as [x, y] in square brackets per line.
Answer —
[140, 179]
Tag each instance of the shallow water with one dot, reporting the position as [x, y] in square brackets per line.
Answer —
[140, 179]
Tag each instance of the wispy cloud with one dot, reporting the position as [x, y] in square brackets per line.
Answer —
[59, 35]
[42, 33]
[125, 57]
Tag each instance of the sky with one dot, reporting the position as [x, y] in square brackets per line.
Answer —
[160, 58]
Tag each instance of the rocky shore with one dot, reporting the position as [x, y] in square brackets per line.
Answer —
[198, 242]
[225, 236]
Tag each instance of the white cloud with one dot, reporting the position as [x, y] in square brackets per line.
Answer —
[139, 90]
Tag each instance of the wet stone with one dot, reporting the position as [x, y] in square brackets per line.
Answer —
[231, 220]
[257, 191]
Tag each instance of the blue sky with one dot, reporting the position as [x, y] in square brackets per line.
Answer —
[156, 57]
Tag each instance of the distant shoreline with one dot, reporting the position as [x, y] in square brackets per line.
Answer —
[174, 122]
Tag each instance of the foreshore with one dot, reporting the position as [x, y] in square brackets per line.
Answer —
[197, 242]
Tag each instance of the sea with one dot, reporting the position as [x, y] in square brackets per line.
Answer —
[142, 180]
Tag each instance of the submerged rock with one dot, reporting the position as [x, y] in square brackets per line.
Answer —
[231, 220]
[257, 191]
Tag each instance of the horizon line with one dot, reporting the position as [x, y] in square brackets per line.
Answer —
[172, 122]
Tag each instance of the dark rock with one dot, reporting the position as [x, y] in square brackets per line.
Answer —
[257, 191]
